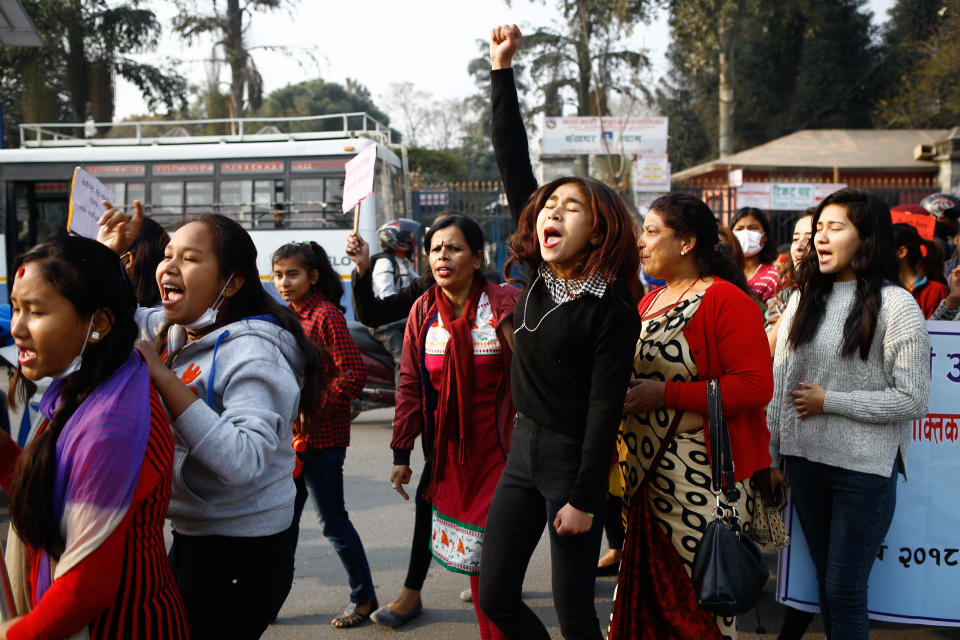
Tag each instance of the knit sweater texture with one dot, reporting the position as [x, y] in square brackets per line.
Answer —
[869, 403]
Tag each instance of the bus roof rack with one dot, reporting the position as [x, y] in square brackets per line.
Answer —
[168, 132]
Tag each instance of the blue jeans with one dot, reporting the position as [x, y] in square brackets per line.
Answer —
[845, 516]
[323, 473]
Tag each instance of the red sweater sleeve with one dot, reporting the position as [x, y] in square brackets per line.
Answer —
[729, 343]
[79, 595]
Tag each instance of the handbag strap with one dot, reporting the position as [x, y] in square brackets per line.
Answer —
[655, 463]
[721, 459]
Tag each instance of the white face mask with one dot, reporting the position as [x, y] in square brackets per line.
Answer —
[750, 241]
[78, 360]
[209, 317]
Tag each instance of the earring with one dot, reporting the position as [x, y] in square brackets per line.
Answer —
[683, 252]
[95, 335]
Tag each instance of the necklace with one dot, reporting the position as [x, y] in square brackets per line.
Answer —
[663, 310]
[523, 324]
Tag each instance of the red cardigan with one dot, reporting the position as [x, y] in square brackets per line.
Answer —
[727, 341]
[929, 296]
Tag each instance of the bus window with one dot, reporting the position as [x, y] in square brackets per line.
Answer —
[306, 202]
[263, 202]
[334, 195]
[166, 200]
[119, 193]
[235, 199]
[199, 197]
[136, 191]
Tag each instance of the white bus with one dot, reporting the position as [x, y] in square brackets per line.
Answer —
[282, 187]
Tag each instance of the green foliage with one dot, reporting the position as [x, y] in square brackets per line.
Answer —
[438, 165]
[926, 92]
[317, 97]
[800, 64]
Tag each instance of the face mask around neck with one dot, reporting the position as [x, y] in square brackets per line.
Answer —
[750, 241]
[209, 317]
[74, 365]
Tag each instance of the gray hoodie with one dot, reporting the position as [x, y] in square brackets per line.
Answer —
[233, 463]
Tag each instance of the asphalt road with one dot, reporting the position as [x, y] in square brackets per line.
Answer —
[385, 522]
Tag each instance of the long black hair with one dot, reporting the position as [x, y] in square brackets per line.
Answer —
[312, 257]
[923, 256]
[146, 253]
[91, 278]
[237, 254]
[874, 263]
[690, 217]
[768, 253]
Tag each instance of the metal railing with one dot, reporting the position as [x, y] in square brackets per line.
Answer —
[344, 125]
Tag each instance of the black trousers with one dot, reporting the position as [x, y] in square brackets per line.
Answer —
[535, 485]
[231, 587]
[420, 554]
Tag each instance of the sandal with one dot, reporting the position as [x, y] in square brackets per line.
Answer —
[351, 617]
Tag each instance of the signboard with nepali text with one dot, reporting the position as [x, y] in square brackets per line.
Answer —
[603, 136]
[925, 225]
[915, 573]
[784, 196]
[87, 195]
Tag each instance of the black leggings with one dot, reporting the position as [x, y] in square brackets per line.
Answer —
[535, 484]
[420, 554]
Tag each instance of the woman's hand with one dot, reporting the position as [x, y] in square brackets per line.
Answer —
[400, 476]
[953, 298]
[504, 41]
[6, 625]
[570, 521]
[644, 395]
[117, 230]
[155, 365]
[359, 252]
[808, 399]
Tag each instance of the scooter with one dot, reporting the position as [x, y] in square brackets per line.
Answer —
[379, 389]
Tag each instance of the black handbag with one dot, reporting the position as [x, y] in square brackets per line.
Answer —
[729, 571]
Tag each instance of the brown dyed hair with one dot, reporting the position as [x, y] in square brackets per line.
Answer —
[615, 257]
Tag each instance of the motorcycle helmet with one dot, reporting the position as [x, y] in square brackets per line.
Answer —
[937, 203]
[399, 235]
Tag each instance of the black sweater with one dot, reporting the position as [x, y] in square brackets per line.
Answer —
[571, 374]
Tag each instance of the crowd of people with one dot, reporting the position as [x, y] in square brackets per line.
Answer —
[184, 391]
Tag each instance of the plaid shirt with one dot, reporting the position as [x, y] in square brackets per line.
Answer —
[325, 325]
[561, 290]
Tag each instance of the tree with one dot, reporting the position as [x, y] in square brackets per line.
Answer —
[87, 43]
[227, 21]
[807, 64]
[926, 94]
[317, 97]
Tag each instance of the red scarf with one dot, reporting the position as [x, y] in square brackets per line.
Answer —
[454, 415]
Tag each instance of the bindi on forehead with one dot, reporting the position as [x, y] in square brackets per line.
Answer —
[20, 272]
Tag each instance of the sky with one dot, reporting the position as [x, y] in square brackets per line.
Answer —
[381, 42]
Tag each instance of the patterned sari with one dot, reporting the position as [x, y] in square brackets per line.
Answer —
[655, 597]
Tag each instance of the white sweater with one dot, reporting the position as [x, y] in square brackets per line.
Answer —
[869, 403]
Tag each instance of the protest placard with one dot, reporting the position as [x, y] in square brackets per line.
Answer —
[358, 181]
[925, 225]
[915, 574]
[86, 203]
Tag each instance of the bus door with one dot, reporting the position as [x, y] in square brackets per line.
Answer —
[40, 210]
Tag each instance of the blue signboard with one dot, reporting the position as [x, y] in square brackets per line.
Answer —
[915, 576]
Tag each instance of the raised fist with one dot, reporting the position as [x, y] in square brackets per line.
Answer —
[504, 41]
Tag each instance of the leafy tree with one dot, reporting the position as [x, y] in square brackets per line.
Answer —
[227, 22]
[927, 93]
[806, 64]
[317, 97]
[436, 164]
[87, 43]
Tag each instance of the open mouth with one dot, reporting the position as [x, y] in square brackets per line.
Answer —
[823, 256]
[444, 272]
[26, 356]
[551, 237]
[170, 294]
